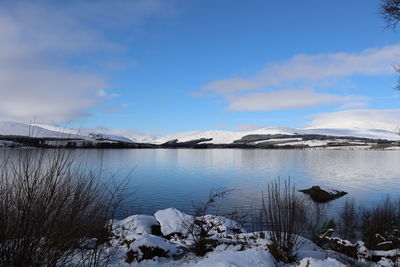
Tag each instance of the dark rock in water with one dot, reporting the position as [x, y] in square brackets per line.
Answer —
[319, 195]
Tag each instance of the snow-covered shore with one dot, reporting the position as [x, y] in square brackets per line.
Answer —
[164, 240]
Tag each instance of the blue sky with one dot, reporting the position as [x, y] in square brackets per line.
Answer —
[160, 66]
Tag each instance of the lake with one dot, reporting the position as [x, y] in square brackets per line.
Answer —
[179, 178]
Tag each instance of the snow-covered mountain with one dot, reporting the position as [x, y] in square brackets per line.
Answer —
[21, 129]
[220, 137]
[8, 128]
[126, 136]
[216, 137]
[227, 137]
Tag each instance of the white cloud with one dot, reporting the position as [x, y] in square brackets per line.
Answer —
[282, 85]
[39, 41]
[231, 85]
[314, 68]
[49, 95]
[103, 93]
[283, 100]
[382, 119]
[356, 104]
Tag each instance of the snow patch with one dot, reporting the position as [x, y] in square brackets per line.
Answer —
[173, 221]
[140, 224]
[152, 241]
[250, 257]
[311, 262]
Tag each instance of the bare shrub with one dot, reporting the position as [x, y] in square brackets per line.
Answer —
[316, 231]
[348, 221]
[51, 207]
[381, 223]
[317, 222]
[199, 228]
[284, 215]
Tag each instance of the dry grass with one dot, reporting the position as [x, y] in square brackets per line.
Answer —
[284, 216]
[49, 206]
[381, 223]
[198, 228]
[348, 223]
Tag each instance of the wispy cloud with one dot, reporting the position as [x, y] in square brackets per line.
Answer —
[38, 43]
[104, 93]
[281, 85]
[313, 68]
[352, 105]
[282, 100]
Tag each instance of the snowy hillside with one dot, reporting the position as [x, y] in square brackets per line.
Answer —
[227, 137]
[111, 134]
[49, 131]
[215, 137]
[20, 129]
[221, 137]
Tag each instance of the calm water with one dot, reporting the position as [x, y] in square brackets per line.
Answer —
[163, 178]
[178, 178]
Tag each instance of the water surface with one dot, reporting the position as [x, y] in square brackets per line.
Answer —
[178, 178]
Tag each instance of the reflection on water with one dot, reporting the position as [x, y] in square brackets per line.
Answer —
[180, 177]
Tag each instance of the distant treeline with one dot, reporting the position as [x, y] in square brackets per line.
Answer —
[250, 141]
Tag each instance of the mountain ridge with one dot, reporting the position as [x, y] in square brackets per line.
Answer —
[267, 137]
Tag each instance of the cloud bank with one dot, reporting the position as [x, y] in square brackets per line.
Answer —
[41, 45]
[282, 100]
[302, 81]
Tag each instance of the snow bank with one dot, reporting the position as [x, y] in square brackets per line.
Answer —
[134, 244]
[384, 262]
[222, 225]
[329, 262]
[140, 224]
[152, 241]
[251, 257]
[173, 221]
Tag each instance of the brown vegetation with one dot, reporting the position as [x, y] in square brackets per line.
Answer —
[51, 208]
[284, 215]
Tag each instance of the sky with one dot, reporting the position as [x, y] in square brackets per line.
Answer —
[164, 66]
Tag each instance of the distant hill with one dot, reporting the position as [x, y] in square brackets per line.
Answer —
[45, 131]
[227, 137]
[13, 133]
